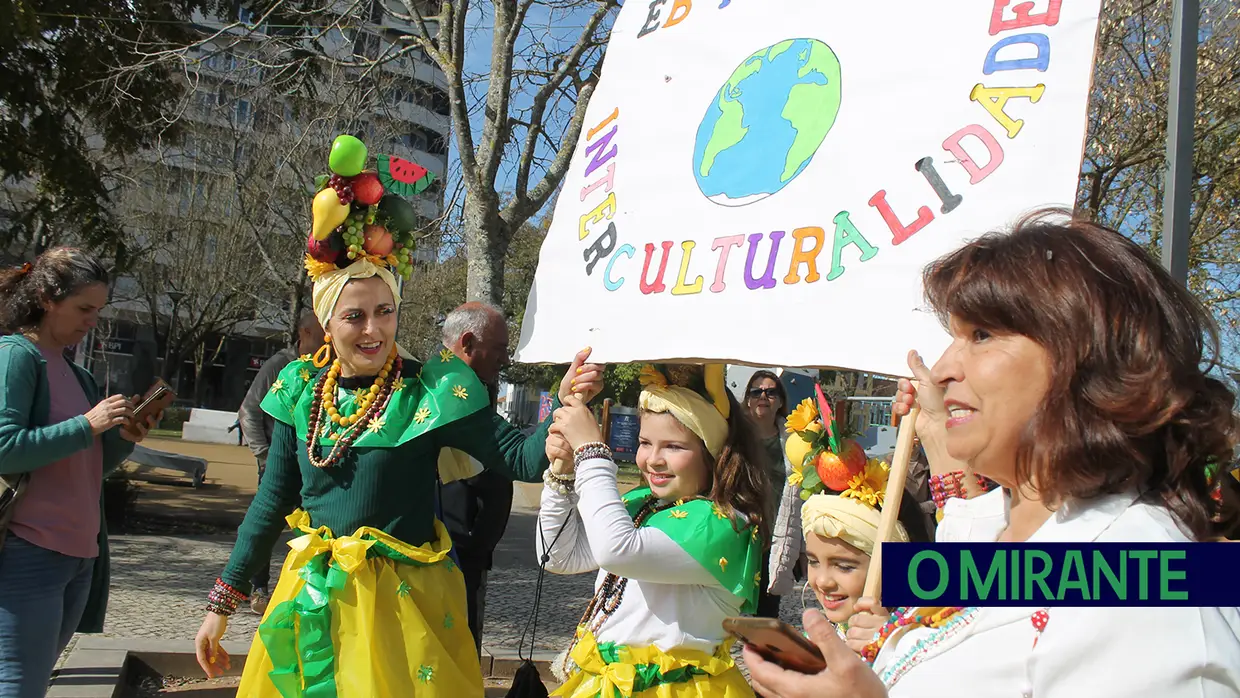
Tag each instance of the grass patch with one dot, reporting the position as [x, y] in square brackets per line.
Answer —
[166, 433]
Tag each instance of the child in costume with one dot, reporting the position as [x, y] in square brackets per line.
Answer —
[675, 557]
[840, 531]
[842, 493]
[369, 602]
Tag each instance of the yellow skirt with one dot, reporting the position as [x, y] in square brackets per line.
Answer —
[648, 672]
[364, 616]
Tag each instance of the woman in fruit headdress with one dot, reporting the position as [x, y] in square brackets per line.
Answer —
[675, 557]
[369, 602]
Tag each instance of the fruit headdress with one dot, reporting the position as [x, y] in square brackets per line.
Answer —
[821, 458]
[842, 489]
[360, 213]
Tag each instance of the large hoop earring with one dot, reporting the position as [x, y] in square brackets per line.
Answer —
[323, 356]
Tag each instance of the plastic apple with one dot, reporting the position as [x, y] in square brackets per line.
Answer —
[835, 470]
[326, 250]
[348, 156]
[367, 189]
[378, 241]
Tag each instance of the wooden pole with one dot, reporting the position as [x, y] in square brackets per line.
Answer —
[605, 425]
[891, 502]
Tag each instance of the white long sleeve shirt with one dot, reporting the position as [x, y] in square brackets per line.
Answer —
[670, 600]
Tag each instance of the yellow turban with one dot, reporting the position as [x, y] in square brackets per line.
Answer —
[850, 520]
[692, 410]
[329, 286]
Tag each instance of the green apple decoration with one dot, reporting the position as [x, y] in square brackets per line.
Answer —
[348, 156]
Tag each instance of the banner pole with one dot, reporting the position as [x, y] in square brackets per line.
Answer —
[890, 515]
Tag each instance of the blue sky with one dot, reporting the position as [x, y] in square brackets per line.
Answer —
[555, 28]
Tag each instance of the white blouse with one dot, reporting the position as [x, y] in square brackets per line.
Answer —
[1083, 652]
[670, 600]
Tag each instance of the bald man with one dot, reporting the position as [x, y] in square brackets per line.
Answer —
[475, 509]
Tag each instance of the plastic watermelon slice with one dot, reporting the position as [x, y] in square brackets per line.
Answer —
[403, 177]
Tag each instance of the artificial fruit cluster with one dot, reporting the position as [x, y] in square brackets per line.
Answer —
[358, 212]
[821, 458]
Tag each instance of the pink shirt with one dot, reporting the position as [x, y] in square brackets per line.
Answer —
[60, 509]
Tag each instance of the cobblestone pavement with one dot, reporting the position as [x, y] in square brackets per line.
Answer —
[159, 585]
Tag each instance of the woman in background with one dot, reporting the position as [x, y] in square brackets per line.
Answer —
[766, 405]
[58, 439]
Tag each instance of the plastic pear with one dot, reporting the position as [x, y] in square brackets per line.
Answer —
[328, 213]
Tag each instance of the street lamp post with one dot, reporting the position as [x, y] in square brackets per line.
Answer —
[176, 297]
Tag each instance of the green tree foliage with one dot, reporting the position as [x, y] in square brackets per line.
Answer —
[61, 120]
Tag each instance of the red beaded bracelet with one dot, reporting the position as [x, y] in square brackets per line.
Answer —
[948, 485]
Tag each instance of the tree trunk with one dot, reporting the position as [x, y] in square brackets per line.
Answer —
[486, 243]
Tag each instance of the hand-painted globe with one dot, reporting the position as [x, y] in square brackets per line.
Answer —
[767, 121]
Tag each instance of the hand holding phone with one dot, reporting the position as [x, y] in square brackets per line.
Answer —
[157, 398]
[777, 642]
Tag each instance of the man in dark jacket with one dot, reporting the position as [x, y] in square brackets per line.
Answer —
[475, 510]
[257, 426]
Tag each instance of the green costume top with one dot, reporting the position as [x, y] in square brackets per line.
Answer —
[387, 480]
[732, 556]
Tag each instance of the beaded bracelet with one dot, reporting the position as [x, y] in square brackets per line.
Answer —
[946, 486]
[949, 485]
[559, 484]
[224, 599]
[595, 449]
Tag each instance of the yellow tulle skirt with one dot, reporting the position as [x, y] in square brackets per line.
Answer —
[648, 672]
[364, 616]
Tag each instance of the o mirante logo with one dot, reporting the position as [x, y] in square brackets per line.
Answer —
[1062, 574]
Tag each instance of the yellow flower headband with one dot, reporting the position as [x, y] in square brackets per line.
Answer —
[707, 420]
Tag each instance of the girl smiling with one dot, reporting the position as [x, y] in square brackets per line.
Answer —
[674, 558]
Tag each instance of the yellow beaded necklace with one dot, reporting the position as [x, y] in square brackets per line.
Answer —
[362, 403]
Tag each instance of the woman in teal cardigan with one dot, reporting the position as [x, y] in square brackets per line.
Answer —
[57, 441]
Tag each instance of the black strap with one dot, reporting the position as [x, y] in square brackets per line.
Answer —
[531, 625]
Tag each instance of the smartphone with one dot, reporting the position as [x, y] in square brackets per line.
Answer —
[158, 397]
[777, 642]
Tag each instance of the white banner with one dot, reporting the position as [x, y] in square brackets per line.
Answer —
[762, 181]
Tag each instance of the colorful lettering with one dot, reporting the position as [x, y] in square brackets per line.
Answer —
[603, 124]
[768, 277]
[681, 288]
[899, 231]
[1023, 19]
[597, 146]
[1040, 62]
[657, 286]
[673, 19]
[807, 257]
[847, 234]
[600, 248]
[724, 245]
[994, 99]
[605, 209]
[626, 250]
[953, 146]
[609, 180]
[652, 19]
[950, 201]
